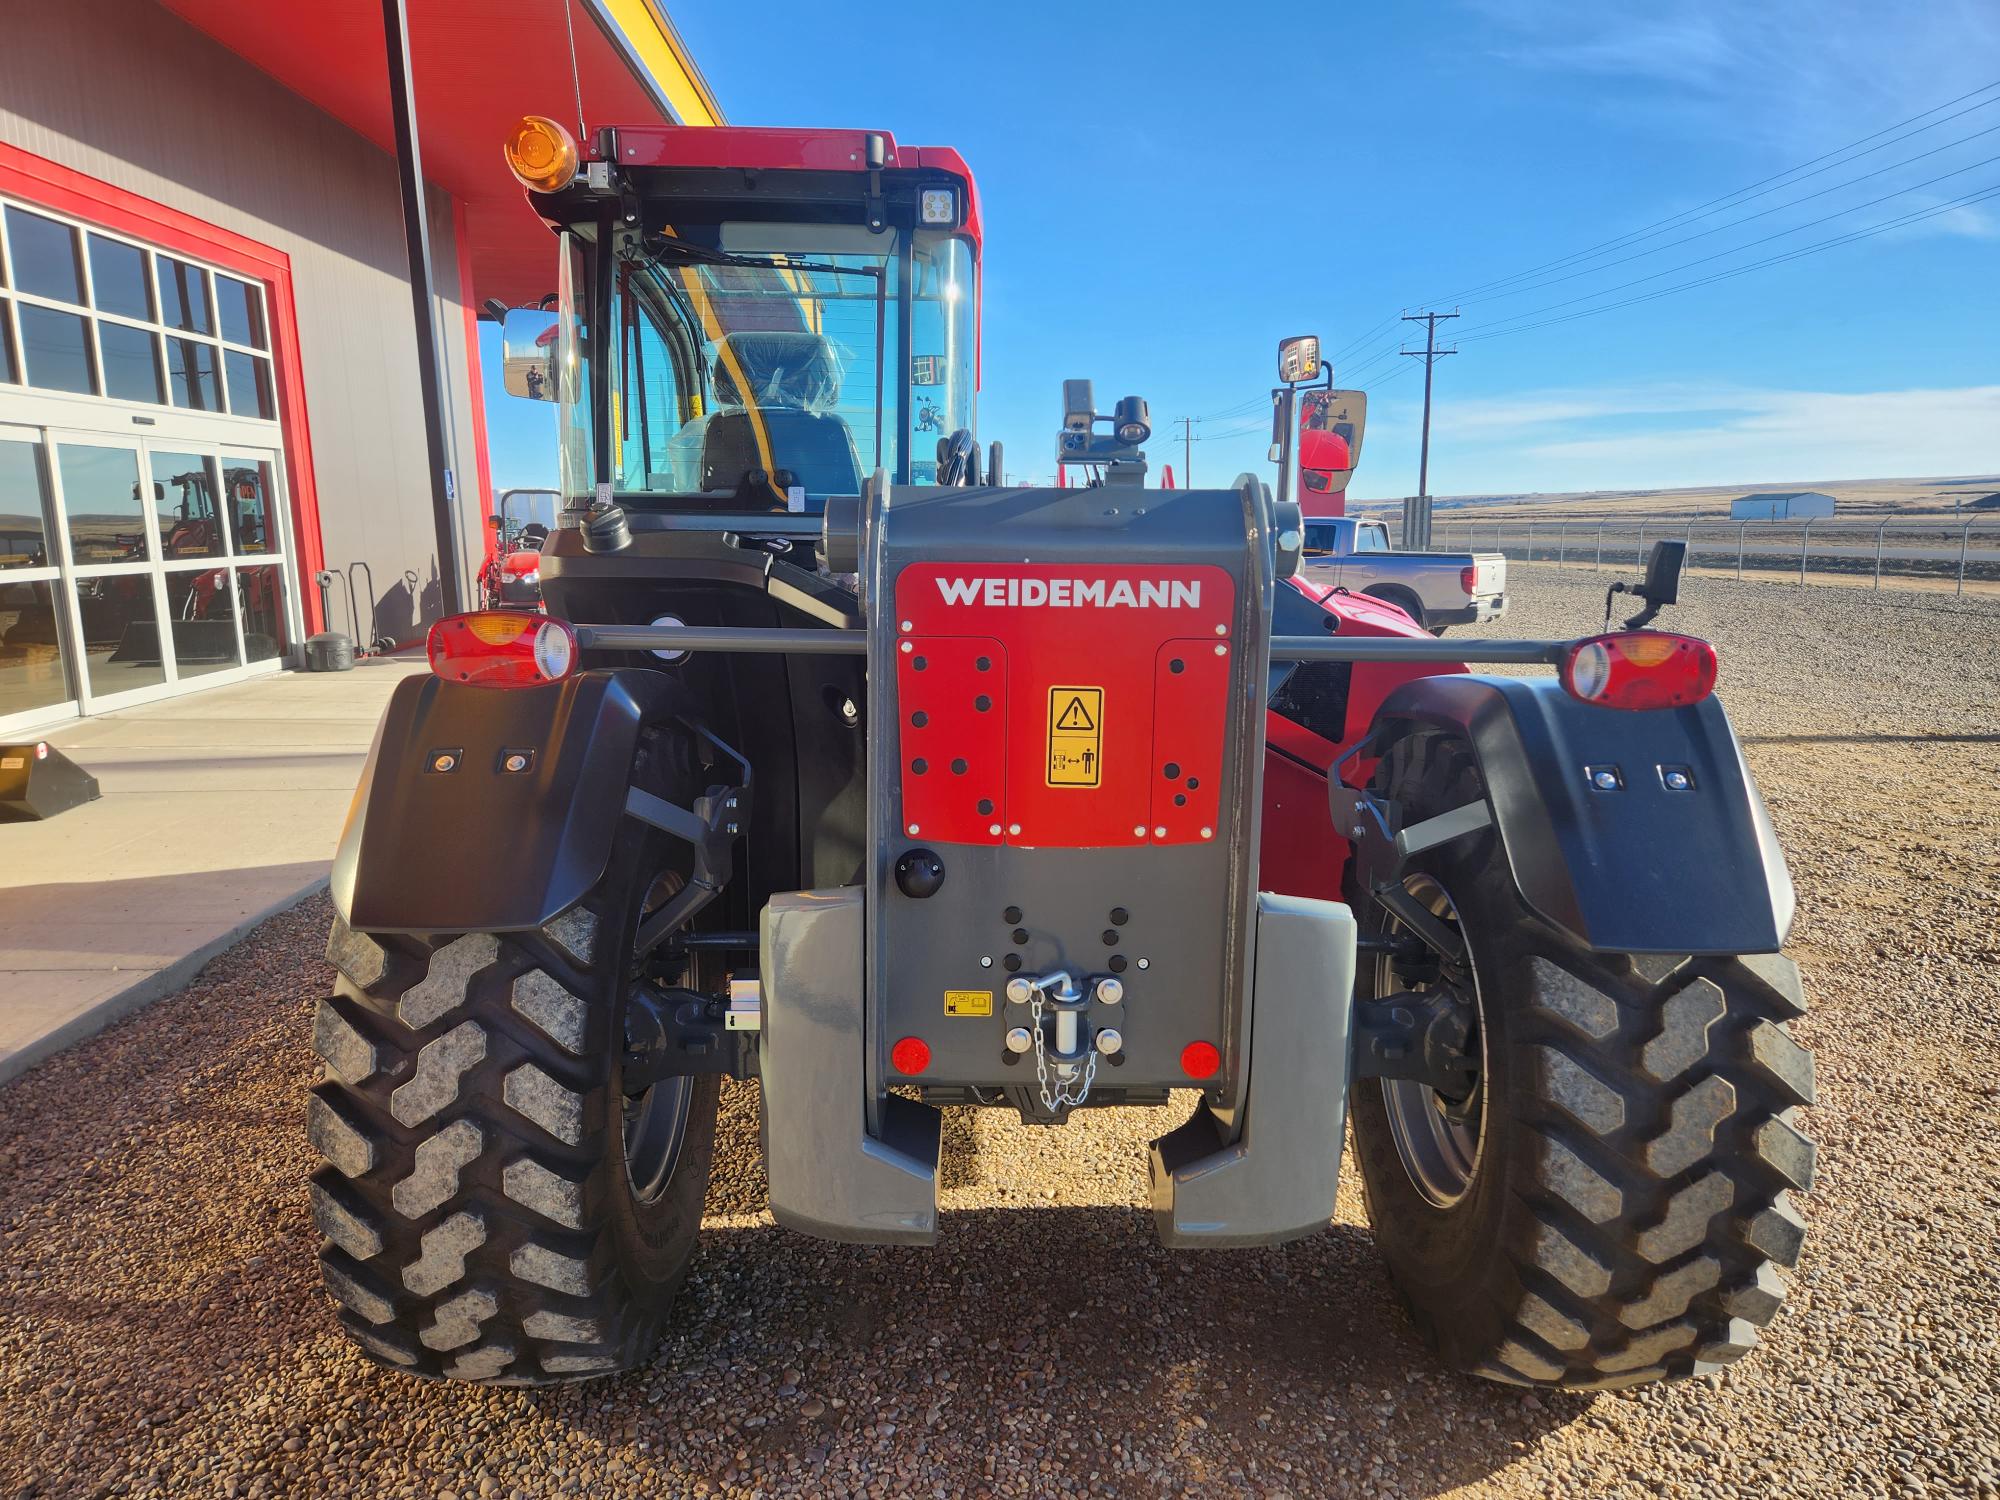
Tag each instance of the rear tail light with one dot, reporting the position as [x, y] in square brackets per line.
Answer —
[502, 649]
[1465, 579]
[1639, 669]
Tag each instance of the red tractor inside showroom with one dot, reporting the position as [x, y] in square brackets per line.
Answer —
[840, 764]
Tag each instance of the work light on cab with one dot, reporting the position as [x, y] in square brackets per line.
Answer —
[501, 648]
[1639, 669]
[541, 154]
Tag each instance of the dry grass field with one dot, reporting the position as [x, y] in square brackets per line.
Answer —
[1854, 499]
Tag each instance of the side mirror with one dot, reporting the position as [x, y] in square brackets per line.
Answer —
[1324, 463]
[1660, 587]
[528, 353]
[1298, 358]
[1664, 567]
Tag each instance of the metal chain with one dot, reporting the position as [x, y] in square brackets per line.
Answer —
[1059, 1095]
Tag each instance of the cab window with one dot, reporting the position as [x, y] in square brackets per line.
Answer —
[650, 400]
[1371, 539]
[1321, 540]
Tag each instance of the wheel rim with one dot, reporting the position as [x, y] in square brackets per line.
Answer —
[1441, 1147]
[656, 1117]
[656, 1121]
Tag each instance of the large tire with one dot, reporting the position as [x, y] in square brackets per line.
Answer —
[1626, 1197]
[478, 1200]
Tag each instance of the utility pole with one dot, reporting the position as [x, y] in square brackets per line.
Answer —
[1417, 517]
[1187, 450]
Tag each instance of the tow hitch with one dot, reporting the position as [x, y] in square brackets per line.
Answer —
[1059, 1032]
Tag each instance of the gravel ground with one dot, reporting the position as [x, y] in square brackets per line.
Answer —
[162, 1328]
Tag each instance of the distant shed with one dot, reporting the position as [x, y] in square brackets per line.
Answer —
[1781, 505]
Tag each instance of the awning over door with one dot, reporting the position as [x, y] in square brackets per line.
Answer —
[477, 66]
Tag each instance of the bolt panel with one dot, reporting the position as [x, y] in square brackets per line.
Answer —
[959, 795]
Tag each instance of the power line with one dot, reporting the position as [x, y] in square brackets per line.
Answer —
[1370, 360]
[1240, 408]
[1914, 217]
[1776, 208]
[1361, 367]
[1738, 249]
[1340, 353]
[1234, 432]
[1771, 183]
[1394, 374]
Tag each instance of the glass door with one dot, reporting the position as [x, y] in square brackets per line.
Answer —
[111, 526]
[252, 482]
[171, 565]
[192, 515]
[37, 664]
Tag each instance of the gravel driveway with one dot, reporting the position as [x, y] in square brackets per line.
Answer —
[162, 1328]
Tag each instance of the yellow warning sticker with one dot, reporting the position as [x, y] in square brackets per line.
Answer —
[968, 1002]
[1076, 736]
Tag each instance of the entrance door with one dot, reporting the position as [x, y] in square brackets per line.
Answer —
[171, 563]
[37, 657]
[143, 539]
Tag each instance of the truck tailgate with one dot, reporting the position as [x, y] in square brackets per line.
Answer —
[1489, 573]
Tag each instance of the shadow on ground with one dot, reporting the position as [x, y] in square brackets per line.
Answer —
[161, 1314]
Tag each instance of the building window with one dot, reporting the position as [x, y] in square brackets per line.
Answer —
[131, 362]
[90, 314]
[183, 295]
[242, 311]
[44, 256]
[118, 279]
[57, 346]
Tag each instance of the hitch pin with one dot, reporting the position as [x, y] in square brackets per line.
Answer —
[1060, 990]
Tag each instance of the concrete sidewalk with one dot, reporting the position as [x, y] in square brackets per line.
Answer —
[217, 809]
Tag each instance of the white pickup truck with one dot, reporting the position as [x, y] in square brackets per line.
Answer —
[1435, 589]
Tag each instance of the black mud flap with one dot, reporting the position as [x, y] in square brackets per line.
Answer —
[1633, 832]
[491, 810]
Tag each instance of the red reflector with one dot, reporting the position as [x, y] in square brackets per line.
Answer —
[1639, 669]
[1200, 1059]
[502, 648]
[1466, 577]
[910, 1056]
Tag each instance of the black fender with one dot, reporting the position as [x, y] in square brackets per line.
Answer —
[476, 847]
[1640, 869]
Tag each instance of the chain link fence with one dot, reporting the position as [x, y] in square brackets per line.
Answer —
[1931, 552]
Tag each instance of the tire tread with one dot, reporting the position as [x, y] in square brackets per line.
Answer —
[1656, 1147]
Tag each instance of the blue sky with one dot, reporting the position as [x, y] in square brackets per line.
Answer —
[1165, 200]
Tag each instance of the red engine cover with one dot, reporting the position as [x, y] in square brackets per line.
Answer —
[1063, 705]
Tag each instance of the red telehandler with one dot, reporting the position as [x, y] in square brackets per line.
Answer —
[840, 764]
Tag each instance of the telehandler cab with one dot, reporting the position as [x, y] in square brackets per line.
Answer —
[840, 764]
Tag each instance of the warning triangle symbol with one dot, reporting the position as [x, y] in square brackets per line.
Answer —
[1076, 716]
